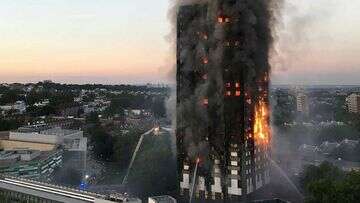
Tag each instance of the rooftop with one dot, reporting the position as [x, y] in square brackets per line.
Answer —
[4, 135]
[14, 158]
[163, 199]
[58, 131]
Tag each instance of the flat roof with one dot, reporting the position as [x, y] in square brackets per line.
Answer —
[45, 130]
[42, 157]
[59, 131]
[4, 135]
[33, 128]
[164, 198]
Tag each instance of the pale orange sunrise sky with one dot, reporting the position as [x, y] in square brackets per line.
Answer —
[123, 41]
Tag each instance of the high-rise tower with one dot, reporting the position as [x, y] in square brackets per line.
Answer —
[222, 97]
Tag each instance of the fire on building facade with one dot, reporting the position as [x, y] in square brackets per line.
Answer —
[223, 132]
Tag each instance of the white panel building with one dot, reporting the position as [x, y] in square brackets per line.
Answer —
[353, 103]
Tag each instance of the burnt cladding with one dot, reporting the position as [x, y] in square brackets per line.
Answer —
[222, 97]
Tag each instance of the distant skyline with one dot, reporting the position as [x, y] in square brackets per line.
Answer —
[123, 41]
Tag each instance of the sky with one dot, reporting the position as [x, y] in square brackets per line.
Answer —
[125, 41]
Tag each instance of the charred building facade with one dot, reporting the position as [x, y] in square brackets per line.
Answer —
[223, 132]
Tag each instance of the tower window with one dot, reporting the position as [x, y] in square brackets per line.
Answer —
[205, 60]
[205, 77]
[206, 102]
[221, 19]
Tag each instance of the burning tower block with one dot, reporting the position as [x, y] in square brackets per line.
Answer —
[223, 132]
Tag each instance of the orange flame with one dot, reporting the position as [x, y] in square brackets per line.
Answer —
[206, 102]
[261, 126]
[221, 19]
[205, 60]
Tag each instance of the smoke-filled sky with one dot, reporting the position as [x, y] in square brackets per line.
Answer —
[120, 41]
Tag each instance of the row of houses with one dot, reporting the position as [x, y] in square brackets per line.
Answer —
[326, 148]
[19, 107]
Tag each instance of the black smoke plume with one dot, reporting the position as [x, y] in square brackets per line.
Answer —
[254, 27]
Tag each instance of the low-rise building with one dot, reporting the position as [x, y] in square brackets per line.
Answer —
[162, 199]
[29, 163]
[348, 144]
[18, 107]
[46, 139]
[7, 144]
[15, 189]
[57, 136]
[308, 151]
[98, 105]
[328, 147]
[42, 103]
[70, 111]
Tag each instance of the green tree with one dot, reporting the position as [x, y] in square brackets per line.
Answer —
[355, 121]
[154, 165]
[158, 107]
[284, 110]
[115, 108]
[10, 96]
[125, 144]
[40, 111]
[92, 118]
[324, 171]
[62, 100]
[328, 184]
[12, 124]
[337, 133]
[102, 142]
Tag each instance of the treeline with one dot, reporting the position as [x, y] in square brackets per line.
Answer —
[328, 184]
[284, 110]
[154, 165]
[58, 86]
[78, 87]
[10, 124]
[58, 101]
[156, 104]
[9, 96]
[315, 135]
[154, 170]
[117, 146]
[100, 140]
[62, 96]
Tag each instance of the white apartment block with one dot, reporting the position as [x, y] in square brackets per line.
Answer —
[302, 103]
[353, 103]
